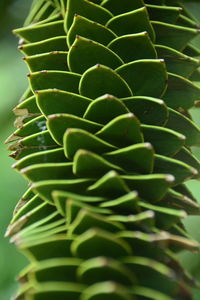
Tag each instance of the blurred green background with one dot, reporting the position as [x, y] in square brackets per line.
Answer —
[12, 84]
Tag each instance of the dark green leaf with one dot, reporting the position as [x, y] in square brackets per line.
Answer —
[46, 187]
[132, 22]
[56, 60]
[138, 158]
[47, 171]
[184, 125]
[85, 53]
[100, 80]
[181, 171]
[88, 164]
[41, 32]
[86, 9]
[110, 185]
[165, 141]
[148, 110]
[145, 77]
[104, 109]
[59, 123]
[177, 62]
[75, 139]
[49, 156]
[52, 101]
[139, 45]
[53, 44]
[122, 131]
[151, 187]
[168, 14]
[91, 30]
[96, 242]
[174, 36]
[66, 81]
[116, 8]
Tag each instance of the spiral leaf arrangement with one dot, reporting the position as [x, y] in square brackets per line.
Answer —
[103, 136]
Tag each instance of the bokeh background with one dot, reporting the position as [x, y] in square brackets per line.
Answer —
[13, 82]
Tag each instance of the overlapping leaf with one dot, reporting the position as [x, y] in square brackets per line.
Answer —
[104, 139]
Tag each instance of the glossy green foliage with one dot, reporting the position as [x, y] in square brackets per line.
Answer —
[104, 138]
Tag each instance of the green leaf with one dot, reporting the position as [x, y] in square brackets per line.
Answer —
[52, 101]
[148, 265]
[195, 75]
[85, 53]
[36, 8]
[49, 45]
[174, 240]
[100, 80]
[110, 185]
[96, 242]
[75, 139]
[180, 201]
[104, 109]
[53, 247]
[132, 22]
[38, 172]
[149, 293]
[165, 141]
[31, 220]
[35, 125]
[134, 221]
[184, 125]
[56, 60]
[33, 143]
[165, 217]
[145, 77]
[57, 269]
[138, 158]
[88, 164]
[116, 7]
[106, 290]
[86, 220]
[27, 107]
[103, 269]
[139, 45]
[40, 12]
[59, 123]
[41, 32]
[65, 200]
[191, 50]
[57, 290]
[28, 205]
[181, 171]
[177, 62]
[127, 203]
[159, 276]
[173, 36]
[91, 30]
[122, 131]
[148, 110]
[73, 207]
[168, 14]
[29, 215]
[152, 187]
[187, 157]
[180, 92]
[45, 187]
[54, 80]
[48, 156]
[86, 9]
